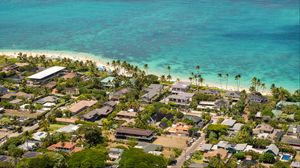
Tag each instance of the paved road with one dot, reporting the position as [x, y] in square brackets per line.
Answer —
[182, 158]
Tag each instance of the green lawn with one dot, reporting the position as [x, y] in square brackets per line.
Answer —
[54, 127]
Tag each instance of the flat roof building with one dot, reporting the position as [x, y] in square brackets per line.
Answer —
[140, 134]
[46, 74]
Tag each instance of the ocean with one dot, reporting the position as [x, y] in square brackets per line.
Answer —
[249, 37]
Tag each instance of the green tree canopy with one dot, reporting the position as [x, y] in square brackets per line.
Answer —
[136, 158]
[88, 158]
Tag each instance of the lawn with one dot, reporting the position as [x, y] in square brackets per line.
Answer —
[172, 141]
[54, 127]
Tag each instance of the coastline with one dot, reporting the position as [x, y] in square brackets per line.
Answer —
[102, 61]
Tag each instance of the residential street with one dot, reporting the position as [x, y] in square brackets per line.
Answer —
[181, 159]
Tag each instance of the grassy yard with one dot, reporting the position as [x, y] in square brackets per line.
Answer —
[297, 157]
[54, 127]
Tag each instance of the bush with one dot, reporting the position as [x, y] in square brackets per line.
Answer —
[267, 158]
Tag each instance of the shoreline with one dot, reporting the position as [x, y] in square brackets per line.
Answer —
[102, 61]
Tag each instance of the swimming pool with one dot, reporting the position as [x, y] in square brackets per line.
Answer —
[286, 157]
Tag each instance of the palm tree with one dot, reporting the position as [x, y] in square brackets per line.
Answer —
[146, 68]
[226, 75]
[220, 78]
[254, 82]
[169, 77]
[237, 78]
[163, 78]
[169, 70]
[201, 80]
[191, 79]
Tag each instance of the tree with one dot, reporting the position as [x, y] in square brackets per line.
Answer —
[137, 158]
[237, 78]
[88, 158]
[92, 134]
[220, 78]
[47, 160]
[146, 68]
[226, 76]
[267, 158]
[216, 162]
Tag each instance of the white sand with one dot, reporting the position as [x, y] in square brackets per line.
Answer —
[100, 61]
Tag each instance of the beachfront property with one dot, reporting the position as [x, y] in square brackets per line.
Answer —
[108, 81]
[180, 87]
[181, 98]
[152, 92]
[213, 105]
[46, 75]
[136, 133]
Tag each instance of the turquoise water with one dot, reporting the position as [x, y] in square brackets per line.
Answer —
[251, 37]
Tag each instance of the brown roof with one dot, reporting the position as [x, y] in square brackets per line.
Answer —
[222, 152]
[69, 75]
[134, 131]
[126, 114]
[50, 85]
[75, 108]
[67, 145]
[66, 120]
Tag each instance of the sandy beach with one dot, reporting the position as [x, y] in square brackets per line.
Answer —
[101, 61]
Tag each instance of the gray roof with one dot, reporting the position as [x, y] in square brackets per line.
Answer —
[155, 87]
[51, 99]
[273, 148]
[103, 111]
[229, 122]
[295, 164]
[181, 95]
[206, 147]
[237, 126]
[240, 147]
[222, 144]
[182, 85]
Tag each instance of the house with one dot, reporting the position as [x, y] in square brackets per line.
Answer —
[210, 92]
[198, 165]
[3, 90]
[276, 135]
[282, 103]
[47, 99]
[116, 96]
[69, 75]
[81, 106]
[68, 129]
[222, 144]
[263, 128]
[221, 152]
[240, 147]
[158, 116]
[140, 134]
[180, 87]
[4, 158]
[68, 147]
[295, 164]
[13, 95]
[46, 75]
[179, 128]
[197, 120]
[108, 81]
[217, 104]
[181, 99]
[148, 147]
[293, 141]
[30, 145]
[153, 91]
[38, 136]
[16, 101]
[104, 111]
[257, 98]
[273, 149]
[126, 115]
[50, 85]
[115, 153]
[233, 95]
[206, 147]
[72, 91]
[31, 154]
[236, 127]
[228, 122]
[293, 130]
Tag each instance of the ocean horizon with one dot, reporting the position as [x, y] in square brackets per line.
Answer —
[253, 38]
